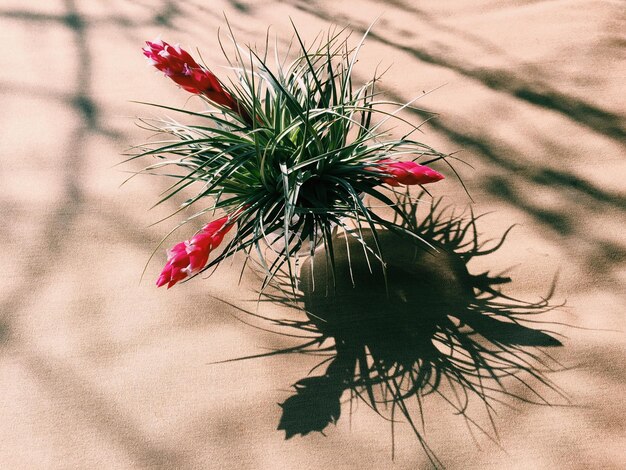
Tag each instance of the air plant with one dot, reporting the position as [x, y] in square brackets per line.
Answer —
[287, 152]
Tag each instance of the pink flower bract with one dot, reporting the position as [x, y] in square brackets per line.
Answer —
[189, 257]
[407, 173]
[177, 64]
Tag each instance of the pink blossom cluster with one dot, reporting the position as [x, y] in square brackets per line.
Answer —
[407, 173]
[189, 257]
[177, 64]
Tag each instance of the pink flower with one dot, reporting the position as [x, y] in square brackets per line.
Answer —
[177, 64]
[407, 173]
[189, 257]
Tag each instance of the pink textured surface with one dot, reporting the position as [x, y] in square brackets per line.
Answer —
[100, 371]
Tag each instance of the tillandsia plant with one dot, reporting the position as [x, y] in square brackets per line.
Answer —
[285, 153]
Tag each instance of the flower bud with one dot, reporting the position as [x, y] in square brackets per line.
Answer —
[189, 257]
[407, 173]
[177, 64]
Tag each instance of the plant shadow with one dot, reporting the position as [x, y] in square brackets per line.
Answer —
[424, 325]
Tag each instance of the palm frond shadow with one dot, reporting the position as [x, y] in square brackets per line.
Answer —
[422, 325]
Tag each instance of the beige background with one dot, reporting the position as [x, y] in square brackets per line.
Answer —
[98, 370]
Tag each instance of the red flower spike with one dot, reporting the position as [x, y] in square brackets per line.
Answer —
[407, 173]
[177, 64]
[189, 257]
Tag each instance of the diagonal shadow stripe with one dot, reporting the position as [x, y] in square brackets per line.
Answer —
[587, 114]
